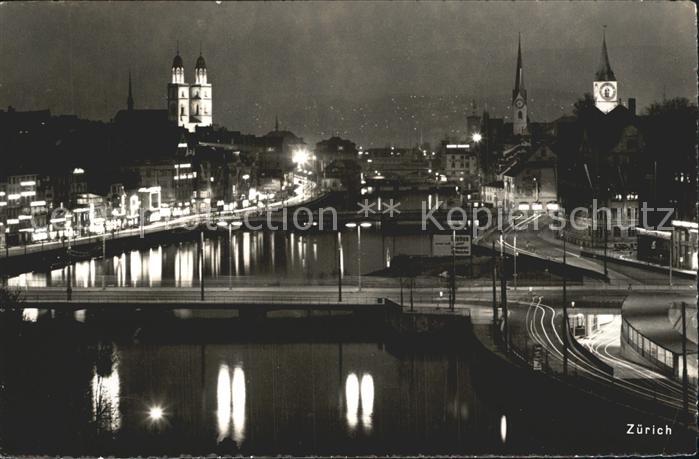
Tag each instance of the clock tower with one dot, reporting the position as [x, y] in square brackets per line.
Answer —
[605, 90]
[519, 97]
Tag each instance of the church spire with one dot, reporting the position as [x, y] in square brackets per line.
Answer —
[129, 100]
[519, 71]
[519, 96]
[604, 73]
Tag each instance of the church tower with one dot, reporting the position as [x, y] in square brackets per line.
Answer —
[200, 96]
[178, 94]
[519, 97]
[604, 89]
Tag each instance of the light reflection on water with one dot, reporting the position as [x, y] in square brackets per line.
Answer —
[238, 414]
[352, 400]
[106, 395]
[359, 395]
[262, 398]
[261, 254]
[30, 314]
[223, 401]
[503, 428]
[230, 401]
[367, 399]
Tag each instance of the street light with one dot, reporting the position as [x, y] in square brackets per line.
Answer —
[515, 260]
[359, 249]
[300, 157]
[477, 137]
[155, 413]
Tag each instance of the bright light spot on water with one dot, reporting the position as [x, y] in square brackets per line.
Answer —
[155, 266]
[503, 428]
[155, 413]
[352, 400]
[223, 401]
[184, 266]
[238, 392]
[106, 393]
[30, 314]
[246, 252]
[136, 267]
[367, 399]
[79, 315]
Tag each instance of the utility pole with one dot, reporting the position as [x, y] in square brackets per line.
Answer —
[565, 277]
[494, 274]
[515, 259]
[503, 300]
[412, 285]
[201, 263]
[452, 292]
[565, 312]
[685, 384]
[230, 255]
[359, 257]
[69, 287]
[104, 260]
[339, 266]
[672, 249]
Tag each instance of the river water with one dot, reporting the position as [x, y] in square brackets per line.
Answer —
[266, 256]
[64, 392]
[129, 385]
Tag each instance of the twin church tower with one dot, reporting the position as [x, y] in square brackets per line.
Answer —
[604, 90]
[189, 105]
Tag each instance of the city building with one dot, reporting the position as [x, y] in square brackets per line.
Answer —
[278, 151]
[460, 163]
[498, 193]
[335, 149]
[404, 164]
[534, 178]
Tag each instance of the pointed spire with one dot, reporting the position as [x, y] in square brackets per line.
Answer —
[178, 47]
[604, 73]
[129, 100]
[276, 123]
[519, 72]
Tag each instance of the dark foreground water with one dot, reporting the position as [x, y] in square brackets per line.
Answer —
[333, 385]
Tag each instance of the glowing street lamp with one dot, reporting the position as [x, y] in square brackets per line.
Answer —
[477, 137]
[155, 413]
[300, 157]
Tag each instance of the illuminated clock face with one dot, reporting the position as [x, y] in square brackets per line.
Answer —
[607, 91]
[519, 103]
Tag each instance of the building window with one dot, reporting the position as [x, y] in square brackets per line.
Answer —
[519, 115]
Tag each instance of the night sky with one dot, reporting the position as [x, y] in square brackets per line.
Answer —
[372, 72]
